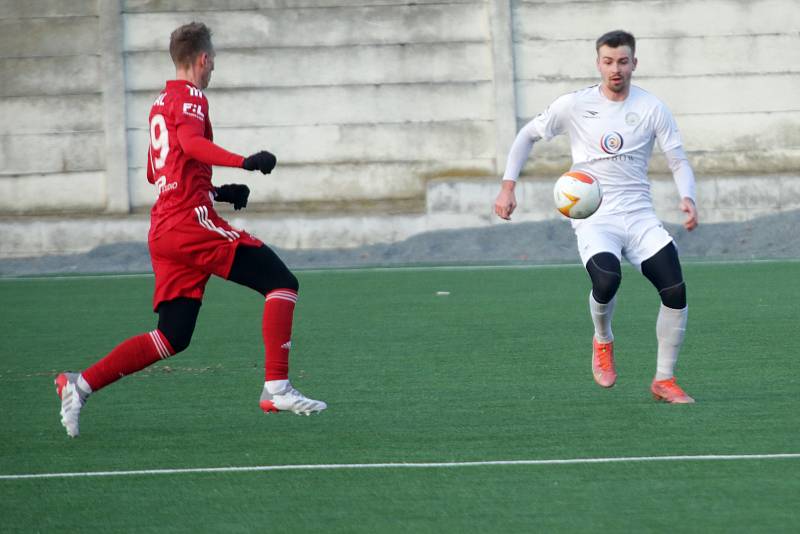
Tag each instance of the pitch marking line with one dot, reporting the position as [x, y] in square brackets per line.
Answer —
[420, 465]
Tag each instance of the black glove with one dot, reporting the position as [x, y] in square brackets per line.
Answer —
[235, 194]
[260, 161]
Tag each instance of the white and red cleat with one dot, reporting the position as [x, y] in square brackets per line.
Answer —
[289, 400]
[72, 400]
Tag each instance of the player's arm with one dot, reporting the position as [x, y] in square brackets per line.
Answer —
[196, 146]
[669, 139]
[191, 125]
[548, 124]
[684, 179]
[506, 201]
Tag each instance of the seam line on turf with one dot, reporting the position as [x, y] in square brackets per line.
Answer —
[409, 268]
[405, 465]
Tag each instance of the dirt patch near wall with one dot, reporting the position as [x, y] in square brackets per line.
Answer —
[773, 237]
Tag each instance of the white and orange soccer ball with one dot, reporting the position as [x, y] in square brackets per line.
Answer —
[577, 194]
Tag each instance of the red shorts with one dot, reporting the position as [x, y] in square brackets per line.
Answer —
[185, 256]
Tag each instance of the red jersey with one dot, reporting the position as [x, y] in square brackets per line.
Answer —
[181, 154]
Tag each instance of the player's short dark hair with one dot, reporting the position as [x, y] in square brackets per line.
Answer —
[188, 41]
[615, 39]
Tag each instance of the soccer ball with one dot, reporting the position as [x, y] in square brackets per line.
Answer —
[577, 194]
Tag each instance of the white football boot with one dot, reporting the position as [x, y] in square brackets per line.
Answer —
[72, 400]
[289, 400]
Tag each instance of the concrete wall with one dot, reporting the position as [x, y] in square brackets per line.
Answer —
[728, 70]
[51, 104]
[360, 102]
[379, 107]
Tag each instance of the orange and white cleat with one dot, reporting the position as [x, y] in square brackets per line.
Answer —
[669, 391]
[603, 363]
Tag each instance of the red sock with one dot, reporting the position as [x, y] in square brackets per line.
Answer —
[128, 357]
[277, 331]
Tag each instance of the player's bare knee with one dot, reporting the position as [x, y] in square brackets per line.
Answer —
[674, 296]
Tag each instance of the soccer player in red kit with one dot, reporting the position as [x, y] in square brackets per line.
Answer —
[189, 242]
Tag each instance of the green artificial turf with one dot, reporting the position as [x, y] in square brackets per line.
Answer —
[499, 369]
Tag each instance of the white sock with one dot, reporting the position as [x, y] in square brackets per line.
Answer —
[601, 317]
[276, 386]
[670, 331]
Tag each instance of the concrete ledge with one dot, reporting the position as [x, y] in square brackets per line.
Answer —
[449, 204]
[37, 236]
[719, 198]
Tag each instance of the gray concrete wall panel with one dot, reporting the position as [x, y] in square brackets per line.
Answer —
[31, 237]
[544, 59]
[46, 114]
[354, 104]
[114, 107]
[312, 66]
[577, 19]
[441, 142]
[155, 6]
[67, 36]
[51, 76]
[699, 95]
[55, 193]
[56, 153]
[17, 9]
[313, 27]
[350, 185]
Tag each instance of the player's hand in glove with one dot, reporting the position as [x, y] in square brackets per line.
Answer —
[235, 194]
[260, 161]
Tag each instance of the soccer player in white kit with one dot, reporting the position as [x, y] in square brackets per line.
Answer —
[612, 127]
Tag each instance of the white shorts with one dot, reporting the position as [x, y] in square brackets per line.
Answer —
[636, 236]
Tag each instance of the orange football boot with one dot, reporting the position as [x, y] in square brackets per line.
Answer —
[669, 391]
[603, 363]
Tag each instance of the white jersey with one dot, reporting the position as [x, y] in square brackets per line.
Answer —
[612, 141]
